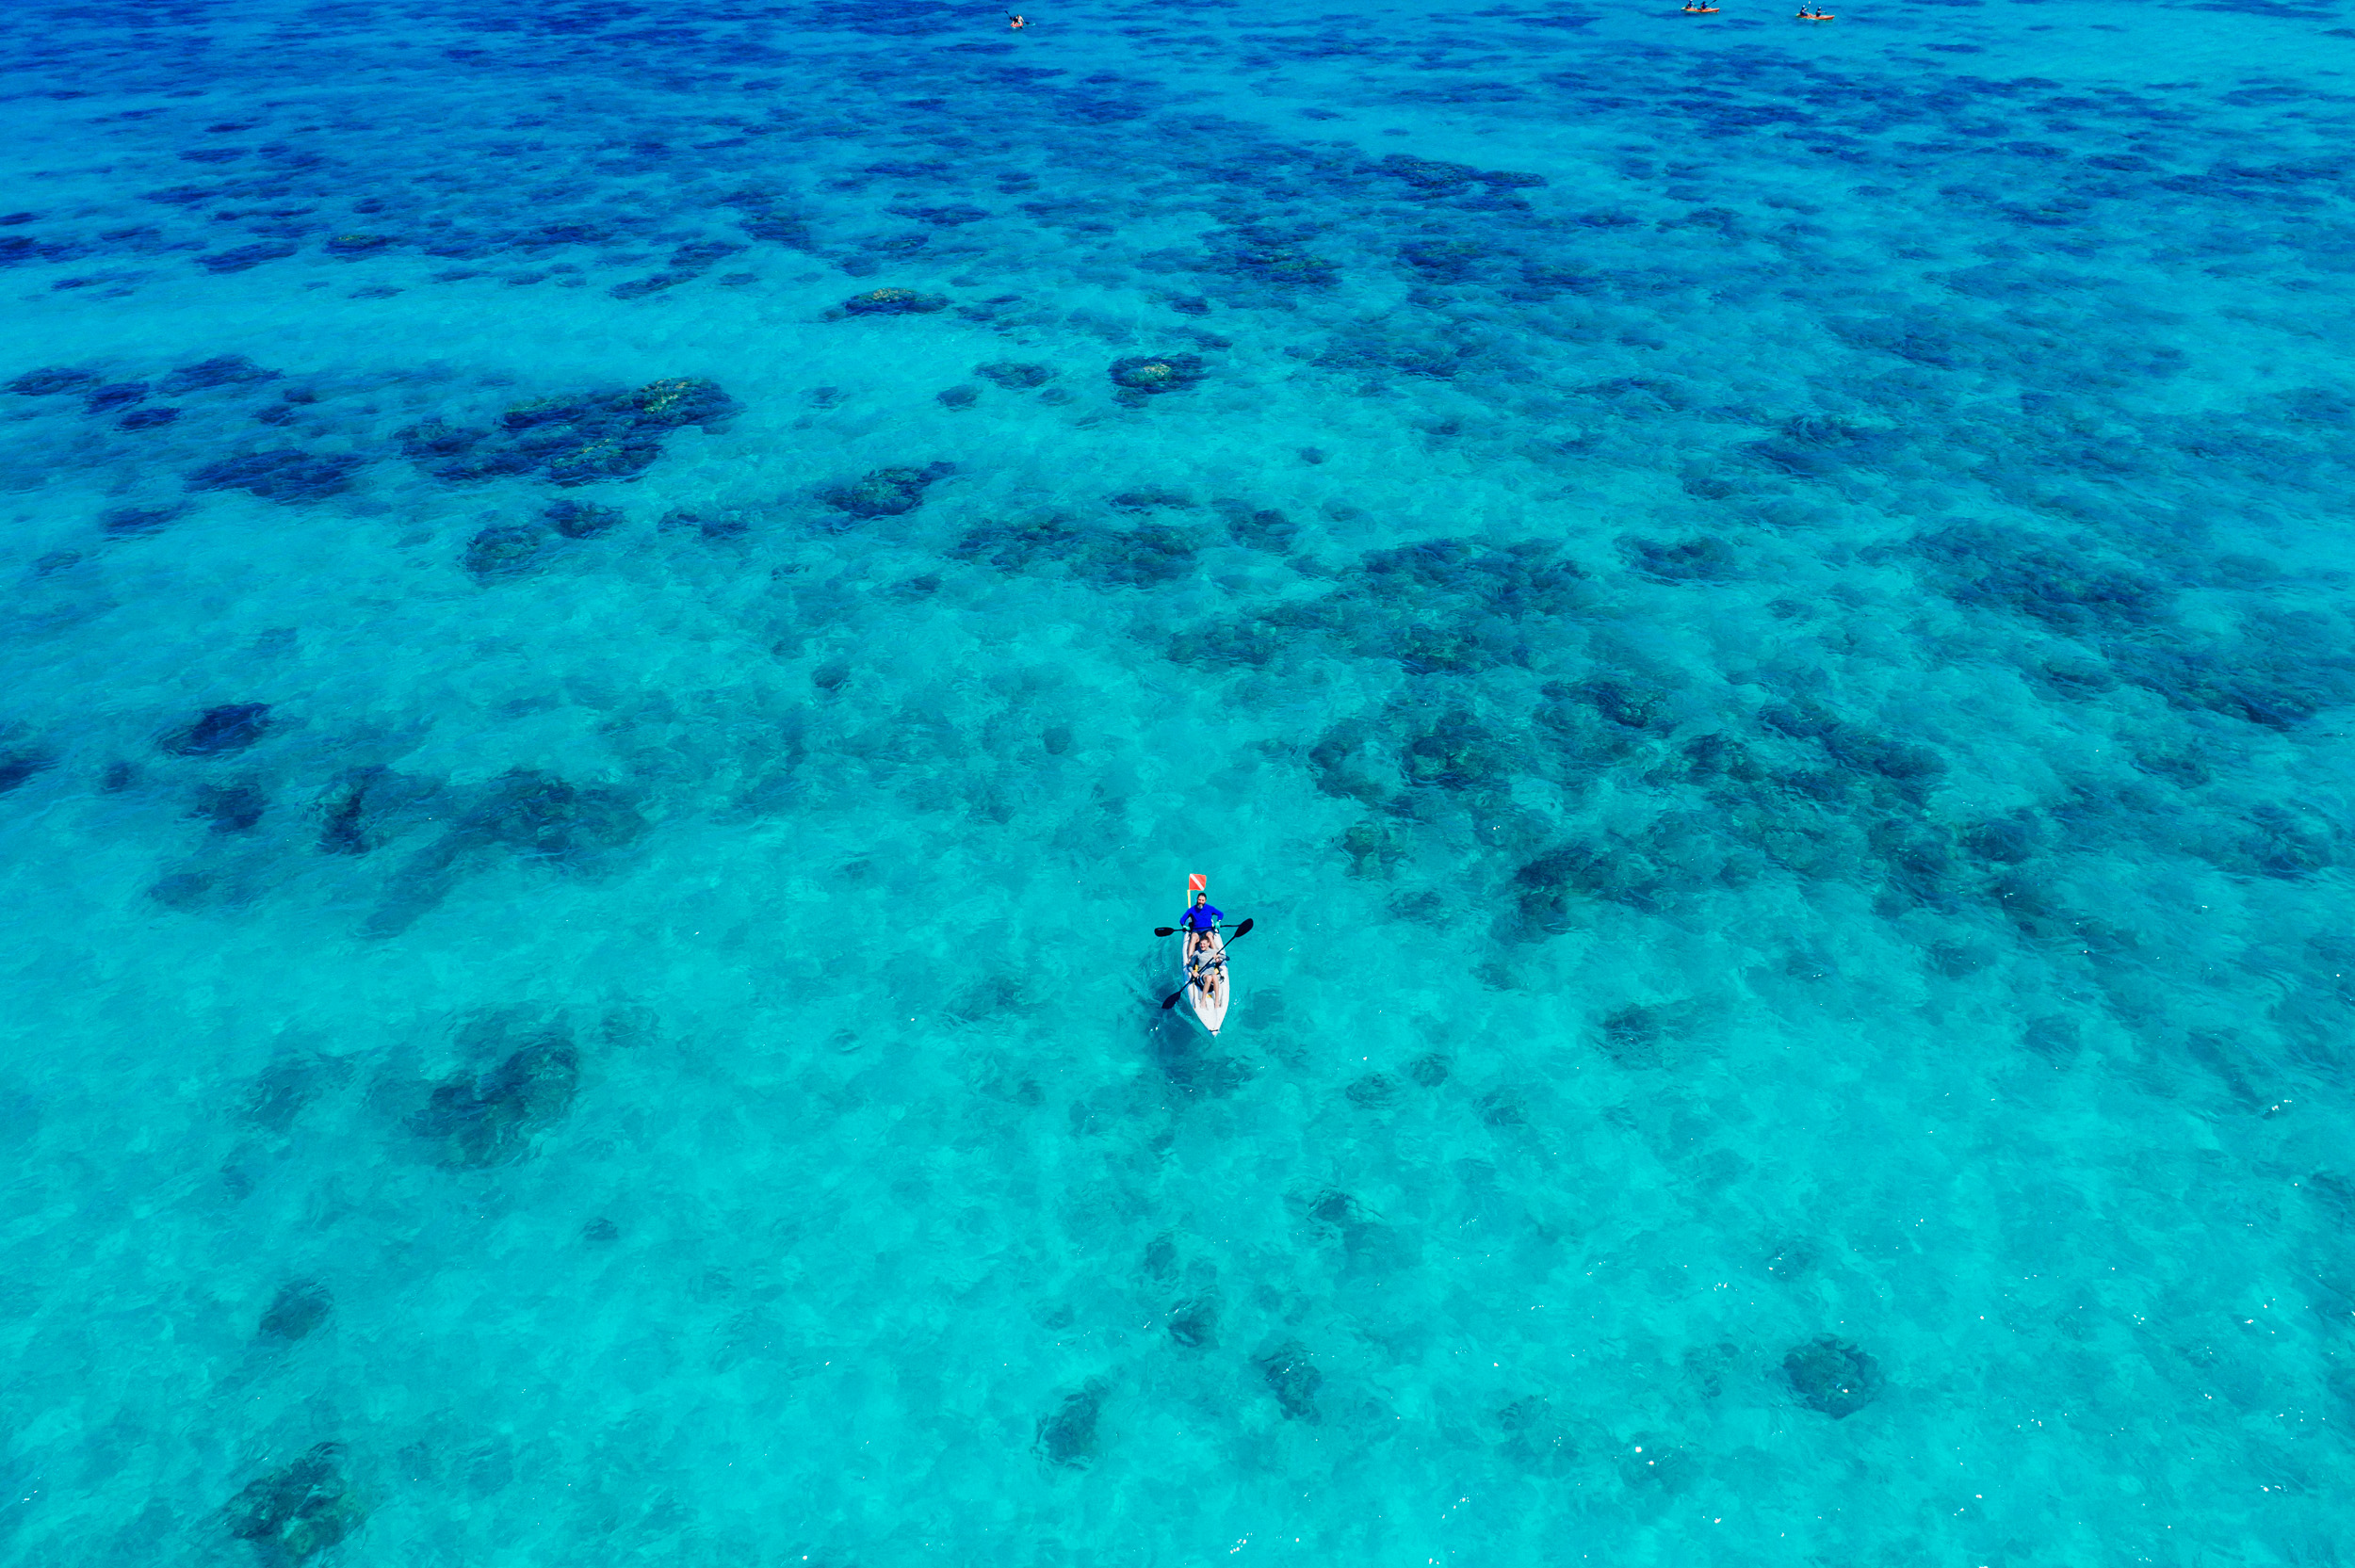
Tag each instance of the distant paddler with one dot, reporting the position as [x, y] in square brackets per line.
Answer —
[1207, 986]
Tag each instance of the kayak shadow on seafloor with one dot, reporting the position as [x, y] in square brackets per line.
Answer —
[1192, 1061]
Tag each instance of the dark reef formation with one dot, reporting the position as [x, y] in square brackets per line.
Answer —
[887, 491]
[473, 1121]
[533, 816]
[294, 1514]
[893, 301]
[1140, 378]
[1068, 1435]
[218, 732]
[1832, 1376]
[572, 438]
[295, 1311]
[1288, 1375]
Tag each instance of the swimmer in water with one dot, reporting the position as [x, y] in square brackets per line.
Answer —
[1016, 24]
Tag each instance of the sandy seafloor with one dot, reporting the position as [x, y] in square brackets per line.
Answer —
[1759, 613]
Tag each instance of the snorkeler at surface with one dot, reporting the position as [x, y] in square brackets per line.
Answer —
[1016, 24]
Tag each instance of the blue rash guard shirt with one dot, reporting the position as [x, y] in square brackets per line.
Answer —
[1201, 918]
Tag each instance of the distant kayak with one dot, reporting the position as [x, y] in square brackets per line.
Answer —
[1204, 982]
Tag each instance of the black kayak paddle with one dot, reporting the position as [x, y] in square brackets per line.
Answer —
[1241, 931]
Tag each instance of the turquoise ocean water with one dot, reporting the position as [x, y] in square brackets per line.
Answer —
[622, 616]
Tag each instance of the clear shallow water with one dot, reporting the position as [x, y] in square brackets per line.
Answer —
[1757, 614]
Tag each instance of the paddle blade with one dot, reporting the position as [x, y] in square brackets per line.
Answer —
[1172, 1000]
[1165, 931]
[1241, 931]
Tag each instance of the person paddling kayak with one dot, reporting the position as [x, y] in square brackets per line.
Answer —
[1206, 960]
[1198, 922]
[1205, 982]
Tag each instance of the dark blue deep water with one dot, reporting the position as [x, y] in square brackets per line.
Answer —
[620, 616]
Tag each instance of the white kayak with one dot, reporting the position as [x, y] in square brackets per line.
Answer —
[1208, 984]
